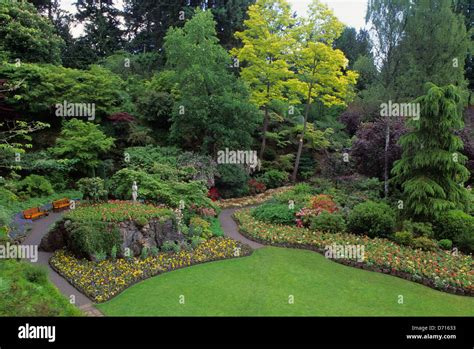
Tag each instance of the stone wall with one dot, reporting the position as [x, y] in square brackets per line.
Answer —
[134, 236]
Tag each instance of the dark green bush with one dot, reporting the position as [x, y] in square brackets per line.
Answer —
[371, 218]
[329, 222]
[274, 178]
[424, 243]
[37, 275]
[445, 244]
[419, 228]
[274, 213]
[92, 189]
[403, 238]
[452, 224]
[465, 242]
[90, 239]
[232, 181]
[34, 186]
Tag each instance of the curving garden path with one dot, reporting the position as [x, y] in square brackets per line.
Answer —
[42, 226]
[39, 229]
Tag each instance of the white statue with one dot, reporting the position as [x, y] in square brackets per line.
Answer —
[134, 191]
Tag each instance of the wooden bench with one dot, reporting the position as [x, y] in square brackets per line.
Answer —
[34, 213]
[60, 204]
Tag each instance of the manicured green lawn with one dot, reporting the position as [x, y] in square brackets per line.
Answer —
[262, 283]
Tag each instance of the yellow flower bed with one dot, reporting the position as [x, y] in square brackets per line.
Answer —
[101, 281]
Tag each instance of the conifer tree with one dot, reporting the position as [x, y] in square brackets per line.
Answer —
[431, 171]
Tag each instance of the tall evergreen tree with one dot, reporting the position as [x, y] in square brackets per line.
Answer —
[431, 171]
[434, 48]
[102, 33]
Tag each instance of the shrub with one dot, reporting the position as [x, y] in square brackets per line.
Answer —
[465, 242]
[403, 238]
[100, 256]
[144, 253]
[113, 253]
[201, 227]
[322, 203]
[452, 224]
[37, 275]
[90, 238]
[274, 213]
[445, 244]
[154, 251]
[170, 246]
[34, 186]
[419, 228]
[195, 241]
[92, 189]
[274, 178]
[256, 187]
[371, 218]
[300, 194]
[424, 243]
[232, 181]
[327, 222]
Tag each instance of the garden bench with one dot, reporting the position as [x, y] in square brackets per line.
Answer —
[60, 204]
[34, 213]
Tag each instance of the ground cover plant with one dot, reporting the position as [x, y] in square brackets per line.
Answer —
[26, 291]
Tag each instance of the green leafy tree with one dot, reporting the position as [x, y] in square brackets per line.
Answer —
[26, 35]
[82, 141]
[263, 55]
[431, 171]
[321, 70]
[41, 87]
[213, 110]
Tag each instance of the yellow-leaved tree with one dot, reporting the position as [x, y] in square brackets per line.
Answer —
[321, 70]
[267, 42]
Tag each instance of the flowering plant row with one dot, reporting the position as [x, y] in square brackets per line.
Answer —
[101, 281]
[251, 200]
[438, 269]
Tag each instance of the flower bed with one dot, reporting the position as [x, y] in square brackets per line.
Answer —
[101, 281]
[118, 211]
[251, 200]
[436, 269]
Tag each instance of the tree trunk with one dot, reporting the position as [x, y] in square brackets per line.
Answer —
[385, 169]
[301, 141]
[264, 136]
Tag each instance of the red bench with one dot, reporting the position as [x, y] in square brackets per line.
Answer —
[60, 204]
[34, 213]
